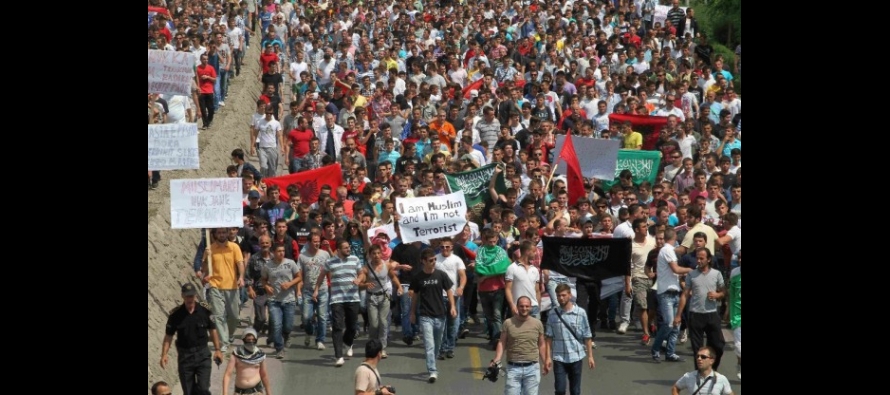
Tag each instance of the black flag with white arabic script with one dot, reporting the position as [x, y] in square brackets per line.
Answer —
[587, 259]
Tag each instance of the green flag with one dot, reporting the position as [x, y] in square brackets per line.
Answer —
[642, 164]
[475, 182]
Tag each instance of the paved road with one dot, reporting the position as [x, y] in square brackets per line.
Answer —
[623, 367]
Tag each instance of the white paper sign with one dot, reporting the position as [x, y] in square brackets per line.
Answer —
[596, 156]
[661, 12]
[426, 218]
[173, 146]
[389, 229]
[206, 203]
[170, 72]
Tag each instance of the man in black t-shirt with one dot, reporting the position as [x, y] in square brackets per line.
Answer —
[408, 257]
[427, 288]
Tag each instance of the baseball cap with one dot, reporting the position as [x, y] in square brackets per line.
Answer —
[189, 290]
[253, 195]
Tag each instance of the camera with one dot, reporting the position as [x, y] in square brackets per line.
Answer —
[389, 388]
[493, 373]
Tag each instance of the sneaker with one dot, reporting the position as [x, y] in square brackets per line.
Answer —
[656, 357]
[307, 341]
[449, 354]
[349, 351]
[384, 355]
[222, 104]
[280, 354]
[441, 357]
[286, 343]
[593, 344]
[645, 340]
[224, 349]
[319, 346]
[408, 340]
[673, 358]
[684, 336]
[154, 185]
[433, 377]
[622, 328]
[340, 362]
[463, 333]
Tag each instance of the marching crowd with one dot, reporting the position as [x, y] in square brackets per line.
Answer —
[401, 94]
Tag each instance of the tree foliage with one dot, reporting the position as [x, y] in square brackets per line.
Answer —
[721, 19]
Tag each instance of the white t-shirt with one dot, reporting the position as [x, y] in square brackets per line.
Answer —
[686, 145]
[663, 112]
[623, 230]
[718, 385]
[179, 106]
[735, 233]
[297, 68]
[267, 132]
[523, 281]
[253, 121]
[451, 266]
[667, 279]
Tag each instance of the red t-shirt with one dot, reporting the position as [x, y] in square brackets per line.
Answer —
[206, 85]
[299, 139]
[266, 59]
[492, 284]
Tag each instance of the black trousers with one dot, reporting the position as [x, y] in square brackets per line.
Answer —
[206, 101]
[706, 324]
[589, 293]
[345, 316]
[194, 370]
[155, 176]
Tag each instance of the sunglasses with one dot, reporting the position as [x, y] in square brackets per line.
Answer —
[700, 356]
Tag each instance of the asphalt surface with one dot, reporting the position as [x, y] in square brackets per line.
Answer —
[623, 366]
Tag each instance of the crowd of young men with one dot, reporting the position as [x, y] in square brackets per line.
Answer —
[401, 94]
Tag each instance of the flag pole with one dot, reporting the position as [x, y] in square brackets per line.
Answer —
[208, 253]
[552, 173]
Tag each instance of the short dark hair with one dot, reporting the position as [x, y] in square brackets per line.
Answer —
[373, 348]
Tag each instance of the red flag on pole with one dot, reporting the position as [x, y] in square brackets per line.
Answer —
[574, 179]
[309, 182]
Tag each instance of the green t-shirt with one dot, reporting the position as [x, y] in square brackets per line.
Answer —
[735, 295]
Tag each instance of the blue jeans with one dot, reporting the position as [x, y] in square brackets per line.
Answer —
[452, 326]
[319, 311]
[408, 330]
[572, 372]
[523, 380]
[667, 310]
[493, 308]
[282, 317]
[216, 98]
[433, 329]
[223, 85]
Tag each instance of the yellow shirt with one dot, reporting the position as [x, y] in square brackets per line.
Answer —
[634, 140]
[360, 101]
[225, 265]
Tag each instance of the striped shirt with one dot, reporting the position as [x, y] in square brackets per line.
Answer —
[566, 348]
[343, 273]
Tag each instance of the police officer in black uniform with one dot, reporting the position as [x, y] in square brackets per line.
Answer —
[191, 322]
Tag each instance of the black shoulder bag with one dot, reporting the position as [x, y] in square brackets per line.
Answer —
[386, 295]
[569, 327]
[378, 376]
[709, 378]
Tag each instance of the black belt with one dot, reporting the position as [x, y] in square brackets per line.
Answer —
[377, 293]
[257, 389]
[521, 364]
[191, 349]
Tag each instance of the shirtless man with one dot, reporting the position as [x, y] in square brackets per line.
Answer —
[249, 364]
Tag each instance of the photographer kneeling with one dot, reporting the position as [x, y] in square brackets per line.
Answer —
[367, 378]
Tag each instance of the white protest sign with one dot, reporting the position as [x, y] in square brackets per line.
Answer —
[661, 13]
[206, 203]
[173, 146]
[170, 72]
[425, 218]
[596, 156]
[389, 229]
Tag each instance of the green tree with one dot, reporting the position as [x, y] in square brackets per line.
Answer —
[724, 18]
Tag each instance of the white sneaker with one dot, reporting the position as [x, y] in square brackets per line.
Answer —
[222, 104]
[622, 328]
[433, 377]
[340, 362]
[349, 352]
[319, 345]
[684, 336]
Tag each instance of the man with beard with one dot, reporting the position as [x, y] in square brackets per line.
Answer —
[249, 364]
